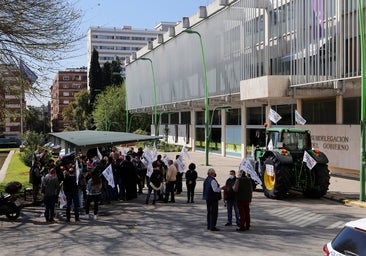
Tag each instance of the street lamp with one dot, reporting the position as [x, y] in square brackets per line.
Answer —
[154, 81]
[206, 90]
[363, 101]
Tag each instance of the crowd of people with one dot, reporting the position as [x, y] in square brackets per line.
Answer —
[82, 182]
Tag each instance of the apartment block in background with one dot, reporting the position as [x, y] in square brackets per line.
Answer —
[66, 85]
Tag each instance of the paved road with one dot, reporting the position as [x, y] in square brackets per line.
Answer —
[133, 228]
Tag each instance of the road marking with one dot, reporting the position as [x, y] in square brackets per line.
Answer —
[336, 225]
[297, 216]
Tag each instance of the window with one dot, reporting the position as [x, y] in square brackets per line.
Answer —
[233, 117]
[66, 94]
[185, 117]
[256, 116]
[66, 78]
[319, 111]
[174, 118]
[351, 110]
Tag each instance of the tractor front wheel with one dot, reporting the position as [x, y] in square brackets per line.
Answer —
[276, 178]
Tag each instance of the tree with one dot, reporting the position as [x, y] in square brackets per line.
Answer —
[37, 119]
[78, 112]
[106, 74]
[38, 31]
[95, 76]
[116, 70]
[109, 112]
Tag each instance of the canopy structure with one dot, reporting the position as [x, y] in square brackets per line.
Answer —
[83, 140]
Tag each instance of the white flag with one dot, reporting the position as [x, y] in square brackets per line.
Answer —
[184, 153]
[180, 164]
[77, 170]
[274, 116]
[248, 168]
[310, 162]
[166, 159]
[108, 174]
[299, 119]
[148, 158]
[99, 154]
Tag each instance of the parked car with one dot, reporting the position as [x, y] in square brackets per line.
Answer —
[351, 240]
[9, 142]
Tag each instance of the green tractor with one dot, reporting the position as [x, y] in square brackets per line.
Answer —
[289, 163]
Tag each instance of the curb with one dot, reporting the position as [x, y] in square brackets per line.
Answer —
[346, 201]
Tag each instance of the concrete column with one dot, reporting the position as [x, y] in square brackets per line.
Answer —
[243, 129]
[339, 109]
[299, 106]
[223, 132]
[193, 130]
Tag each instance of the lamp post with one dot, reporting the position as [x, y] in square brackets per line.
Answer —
[206, 90]
[154, 81]
[363, 101]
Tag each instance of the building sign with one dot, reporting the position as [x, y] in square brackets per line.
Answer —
[340, 143]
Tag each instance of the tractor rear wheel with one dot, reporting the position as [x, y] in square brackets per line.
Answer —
[321, 184]
[276, 178]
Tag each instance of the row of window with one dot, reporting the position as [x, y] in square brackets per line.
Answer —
[73, 86]
[133, 38]
[314, 111]
[74, 78]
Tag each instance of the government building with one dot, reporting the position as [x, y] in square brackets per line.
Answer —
[242, 58]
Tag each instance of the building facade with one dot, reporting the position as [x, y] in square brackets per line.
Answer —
[12, 101]
[241, 58]
[66, 85]
[121, 42]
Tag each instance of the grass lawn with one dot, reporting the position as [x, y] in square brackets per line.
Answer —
[17, 171]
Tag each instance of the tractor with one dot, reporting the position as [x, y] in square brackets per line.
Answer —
[289, 162]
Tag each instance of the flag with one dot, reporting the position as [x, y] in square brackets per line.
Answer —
[27, 72]
[166, 159]
[299, 119]
[310, 162]
[154, 152]
[274, 116]
[180, 164]
[247, 167]
[270, 145]
[184, 153]
[253, 152]
[99, 154]
[77, 170]
[108, 174]
[147, 156]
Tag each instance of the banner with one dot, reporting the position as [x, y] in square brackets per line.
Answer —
[77, 171]
[299, 119]
[184, 153]
[180, 164]
[310, 162]
[274, 116]
[247, 167]
[108, 174]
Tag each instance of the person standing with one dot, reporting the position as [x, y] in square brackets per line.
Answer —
[93, 190]
[154, 185]
[179, 180]
[36, 180]
[71, 191]
[50, 187]
[230, 199]
[191, 177]
[171, 177]
[212, 195]
[243, 187]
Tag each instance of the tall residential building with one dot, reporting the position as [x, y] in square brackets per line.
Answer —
[65, 85]
[121, 42]
[12, 101]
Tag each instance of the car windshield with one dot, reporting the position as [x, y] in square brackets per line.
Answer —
[350, 241]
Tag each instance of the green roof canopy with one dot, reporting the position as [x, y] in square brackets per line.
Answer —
[90, 138]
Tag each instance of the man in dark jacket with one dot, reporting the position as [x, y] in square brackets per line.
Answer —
[243, 187]
[230, 199]
[212, 195]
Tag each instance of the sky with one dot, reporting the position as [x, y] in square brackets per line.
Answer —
[140, 14]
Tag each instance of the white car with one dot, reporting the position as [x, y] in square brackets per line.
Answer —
[350, 241]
